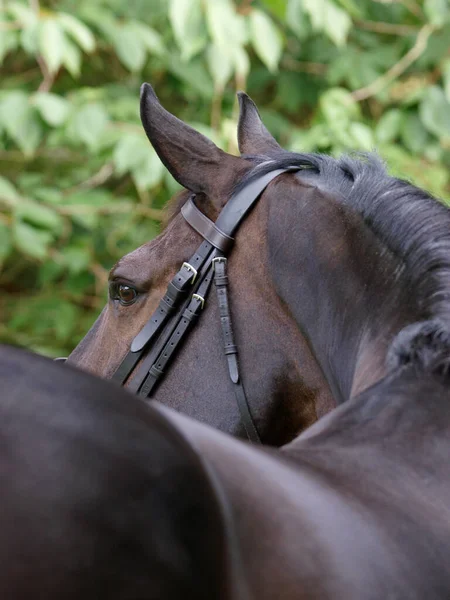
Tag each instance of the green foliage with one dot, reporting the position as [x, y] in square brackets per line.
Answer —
[80, 185]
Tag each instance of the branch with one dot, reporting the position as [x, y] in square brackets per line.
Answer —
[304, 66]
[399, 68]
[388, 28]
[411, 5]
[94, 181]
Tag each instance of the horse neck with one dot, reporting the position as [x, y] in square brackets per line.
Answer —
[344, 288]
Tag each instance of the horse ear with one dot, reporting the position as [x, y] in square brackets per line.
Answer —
[253, 137]
[193, 160]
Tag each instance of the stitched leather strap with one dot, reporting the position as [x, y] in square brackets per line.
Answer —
[188, 319]
[230, 348]
[236, 209]
[176, 291]
[206, 228]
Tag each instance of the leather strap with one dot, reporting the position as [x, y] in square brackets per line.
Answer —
[158, 344]
[230, 348]
[236, 209]
[187, 320]
[176, 291]
[206, 228]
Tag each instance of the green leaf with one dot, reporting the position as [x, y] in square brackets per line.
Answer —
[72, 58]
[446, 78]
[20, 121]
[150, 172]
[388, 127]
[53, 108]
[296, 18]
[130, 48]
[31, 241]
[434, 112]
[151, 39]
[277, 7]
[241, 61]
[89, 123]
[76, 258]
[220, 65]
[188, 26]
[266, 39]
[131, 151]
[413, 134]
[5, 241]
[327, 17]
[52, 43]
[82, 35]
[8, 42]
[225, 26]
[362, 136]
[338, 106]
[38, 215]
[8, 192]
[437, 11]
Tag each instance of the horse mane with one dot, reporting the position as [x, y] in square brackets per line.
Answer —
[411, 223]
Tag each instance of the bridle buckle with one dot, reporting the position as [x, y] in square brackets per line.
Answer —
[200, 299]
[189, 267]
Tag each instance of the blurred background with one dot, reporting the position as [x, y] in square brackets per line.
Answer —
[79, 183]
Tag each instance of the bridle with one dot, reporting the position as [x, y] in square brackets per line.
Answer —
[180, 307]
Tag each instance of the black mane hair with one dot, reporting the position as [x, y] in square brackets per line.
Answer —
[411, 223]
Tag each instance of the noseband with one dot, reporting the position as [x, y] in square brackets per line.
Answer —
[180, 307]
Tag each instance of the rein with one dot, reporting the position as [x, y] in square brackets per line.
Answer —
[180, 307]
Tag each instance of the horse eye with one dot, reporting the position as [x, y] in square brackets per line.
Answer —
[125, 294]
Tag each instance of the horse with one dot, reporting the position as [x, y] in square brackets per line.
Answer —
[103, 494]
[332, 262]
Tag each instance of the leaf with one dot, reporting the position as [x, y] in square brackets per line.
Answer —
[151, 39]
[362, 136]
[296, 18]
[446, 78]
[226, 27]
[219, 64]
[8, 42]
[413, 134]
[72, 58]
[78, 31]
[131, 151]
[277, 7]
[52, 43]
[53, 108]
[89, 123]
[338, 106]
[8, 192]
[388, 127]
[31, 241]
[241, 61]
[20, 121]
[327, 17]
[76, 258]
[437, 11]
[434, 112]
[266, 39]
[150, 172]
[188, 26]
[38, 215]
[5, 241]
[130, 48]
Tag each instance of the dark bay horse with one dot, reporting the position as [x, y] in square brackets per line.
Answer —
[331, 264]
[102, 495]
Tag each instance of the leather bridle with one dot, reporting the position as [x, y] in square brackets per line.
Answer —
[180, 307]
